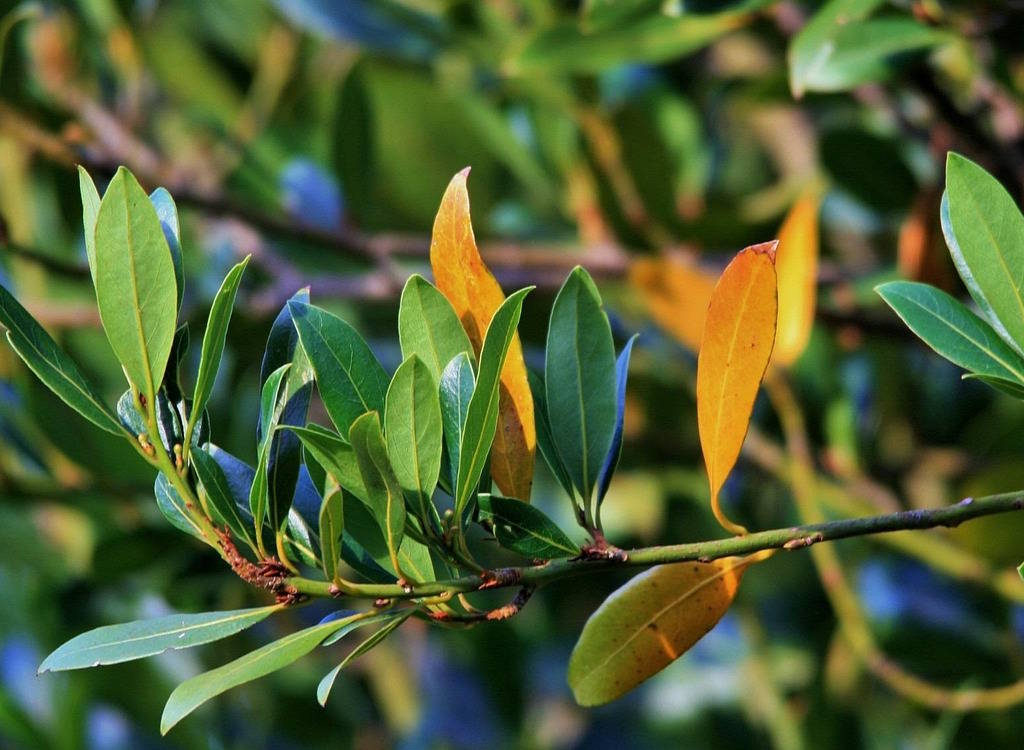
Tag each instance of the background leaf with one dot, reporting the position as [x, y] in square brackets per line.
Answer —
[676, 294]
[796, 265]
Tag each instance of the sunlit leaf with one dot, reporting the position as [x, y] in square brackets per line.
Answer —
[428, 326]
[113, 644]
[796, 264]
[462, 277]
[90, 209]
[167, 212]
[737, 344]
[649, 623]
[331, 530]
[455, 391]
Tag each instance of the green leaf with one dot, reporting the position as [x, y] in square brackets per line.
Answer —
[323, 690]
[269, 414]
[611, 461]
[173, 508]
[215, 335]
[839, 49]
[167, 212]
[1020, 570]
[332, 526]
[113, 644]
[545, 440]
[1009, 387]
[482, 414]
[648, 623]
[350, 379]
[219, 495]
[428, 326]
[90, 209]
[192, 693]
[412, 424]
[51, 365]
[382, 487]
[952, 330]
[335, 457]
[985, 233]
[135, 287]
[455, 391]
[579, 379]
[522, 528]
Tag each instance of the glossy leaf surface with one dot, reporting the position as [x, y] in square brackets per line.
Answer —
[524, 529]
[428, 326]
[611, 461]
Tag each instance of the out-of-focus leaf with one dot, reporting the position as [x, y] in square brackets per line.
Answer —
[850, 154]
[172, 507]
[579, 379]
[463, 278]
[218, 492]
[524, 529]
[649, 623]
[167, 212]
[676, 294]
[796, 265]
[839, 49]
[331, 527]
[428, 326]
[953, 331]
[113, 644]
[611, 461]
[350, 379]
[51, 365]
[311, 196]
[388, 26]
[985, 233]
[135, 282]
[382, 487]
[652, 38]
[323, 690]
[412, 424]
[734, 354]
[482, 416]
[194, 692]
[456, 389]
[545, 440]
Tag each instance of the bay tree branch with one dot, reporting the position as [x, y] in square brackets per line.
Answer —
[790, 538]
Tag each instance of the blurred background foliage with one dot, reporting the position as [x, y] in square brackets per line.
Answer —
[648, 140]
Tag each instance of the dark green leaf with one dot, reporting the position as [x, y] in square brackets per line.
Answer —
[220, 496]
[335, 457]
[428, 326]
[51, 365]
[90, 209]
[135, 287]
[173, 507]
[412, 424]
[1009, 387]
[952, 330]
[545, 440]
[270, 411]
[456, 390]
[520, 527]
[113, 644]
[323, 690]
[611, 461]
[382, 487]
[482, 415]
[194, 692]
[579, 379]
[331, 532]
[350, 379]
[167, 212]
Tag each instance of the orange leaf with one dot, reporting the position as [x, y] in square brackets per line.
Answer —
[676, 293]
[462, 277]
[737, 344]
[796, 263]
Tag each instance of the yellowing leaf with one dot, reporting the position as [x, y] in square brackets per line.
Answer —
[738, 338]
[796, 263]
[462, 277]
[649, 623]
[676, 293]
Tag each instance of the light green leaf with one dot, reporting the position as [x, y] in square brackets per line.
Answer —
[332, 526]
[113, 644]
[412, 424]
[192, 693]
[350, 379]
[335, 457]
[90, 209]
[428, 326]
[482, 415]
[984, 230]
[218, 492]
[545, 440]
[382, 487]
[173, 508]
[167, 212]
[521, 527]
[51, 365]
[270, 411]
[214, 337]
[323, 690]
[135, 286]
[579, 379]
[952, 330]
[455, 391]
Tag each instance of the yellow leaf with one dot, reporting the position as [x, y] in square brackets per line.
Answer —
[649, 623]
[462, 277]
[738, 336]
[676, 293]
[796, 263]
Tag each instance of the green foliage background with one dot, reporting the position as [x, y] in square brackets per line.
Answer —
[318, 137]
